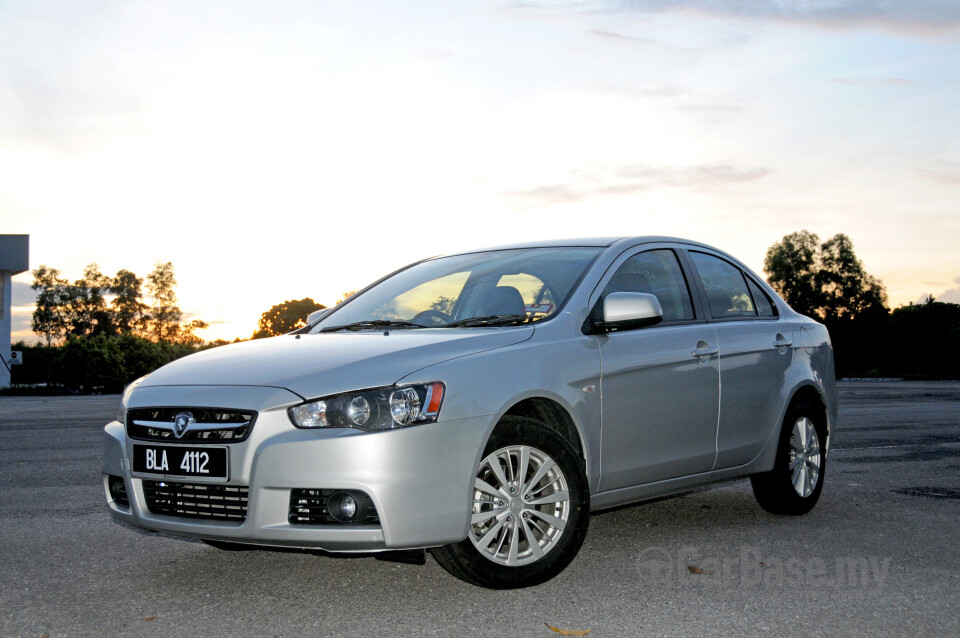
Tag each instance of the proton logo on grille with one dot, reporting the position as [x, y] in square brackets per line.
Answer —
[181, 422]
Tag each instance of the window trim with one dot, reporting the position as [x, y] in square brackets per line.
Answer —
[773, 305]
[702, 290]
[696, 303]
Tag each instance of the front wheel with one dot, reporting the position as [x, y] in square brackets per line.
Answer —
[530, 510]
[794, 484]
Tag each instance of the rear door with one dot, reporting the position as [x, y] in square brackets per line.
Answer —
[756, 349]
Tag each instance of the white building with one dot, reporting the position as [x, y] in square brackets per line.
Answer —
[14, 259]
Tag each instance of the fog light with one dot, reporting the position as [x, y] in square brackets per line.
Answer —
[348, 505]
[344, 507]
[118, 491]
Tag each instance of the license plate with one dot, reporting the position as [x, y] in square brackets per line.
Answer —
[180, 462]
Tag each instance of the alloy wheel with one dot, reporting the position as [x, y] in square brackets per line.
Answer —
[521, 505]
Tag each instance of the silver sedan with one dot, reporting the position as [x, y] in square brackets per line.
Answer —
[481, 405]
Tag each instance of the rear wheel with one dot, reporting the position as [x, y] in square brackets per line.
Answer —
[794, 484]
[530, 510]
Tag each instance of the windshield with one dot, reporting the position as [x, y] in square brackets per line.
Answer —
[502, 287]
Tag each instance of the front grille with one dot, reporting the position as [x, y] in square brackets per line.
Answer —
[206, 501]
[206, 425]
[309, 507]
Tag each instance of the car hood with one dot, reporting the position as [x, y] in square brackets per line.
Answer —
[314, 365]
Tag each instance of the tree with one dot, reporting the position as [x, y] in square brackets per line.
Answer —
[128, 308]
[847, 290]
[825, 281]
[50, 315]
[791, 267]
[165, 315]
[88, 311]
[185, 332]
[81, 309]
[345, 296]
[285, 317]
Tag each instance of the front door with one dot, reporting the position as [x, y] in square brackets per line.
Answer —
[660, 385]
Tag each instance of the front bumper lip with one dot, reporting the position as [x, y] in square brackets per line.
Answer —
[420, 480]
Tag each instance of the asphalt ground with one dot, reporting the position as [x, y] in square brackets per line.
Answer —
[878, 556]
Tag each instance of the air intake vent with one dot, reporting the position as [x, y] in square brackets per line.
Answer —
[209, 502]
[196, 425]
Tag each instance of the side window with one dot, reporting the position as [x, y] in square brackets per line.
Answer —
[656, 272]
[537, 298]
[726, 288]
[765, 307]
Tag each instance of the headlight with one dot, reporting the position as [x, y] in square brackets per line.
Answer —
[371, 410]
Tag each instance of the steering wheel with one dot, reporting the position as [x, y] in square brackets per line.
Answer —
[430, 317]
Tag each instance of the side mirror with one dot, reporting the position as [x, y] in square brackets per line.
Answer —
[626, 311]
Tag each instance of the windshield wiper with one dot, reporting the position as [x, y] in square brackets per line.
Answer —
[490, 320]
[372, 323]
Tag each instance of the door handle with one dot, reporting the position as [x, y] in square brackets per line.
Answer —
[705, 351]
[782, 343]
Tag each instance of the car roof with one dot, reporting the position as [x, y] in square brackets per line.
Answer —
[597, 242]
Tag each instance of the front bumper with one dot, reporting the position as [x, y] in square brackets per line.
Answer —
[419, 478]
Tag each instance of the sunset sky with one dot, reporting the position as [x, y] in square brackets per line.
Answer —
[279, 150]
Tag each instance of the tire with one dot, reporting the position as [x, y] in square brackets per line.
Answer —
[524, 537]
[794, 484]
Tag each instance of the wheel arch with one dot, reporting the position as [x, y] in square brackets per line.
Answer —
[811, 394]
[807, 391]
[555, 416]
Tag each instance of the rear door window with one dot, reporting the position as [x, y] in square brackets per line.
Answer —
[726, 288]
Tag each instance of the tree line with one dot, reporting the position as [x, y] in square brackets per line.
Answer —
[99, 333]
[97, 305]
[826, 281]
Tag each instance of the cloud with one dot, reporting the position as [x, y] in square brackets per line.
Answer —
[21, 294]
[588, 182]
[951, 295]
[950, 177]
[431, 54]
[665, 92]
[643, 91]
[612, 35]
[873, 81]
[915, 16]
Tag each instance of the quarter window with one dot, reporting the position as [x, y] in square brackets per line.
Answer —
[655, 272]
[725, 286]
[761, 300]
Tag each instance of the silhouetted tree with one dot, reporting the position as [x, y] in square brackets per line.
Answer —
[165, 315]
[128, 307]
[88, 312]
[825, 281]
[847, 290]
[50, 316]
[285, 317]
[791, 267]
[81, 309]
